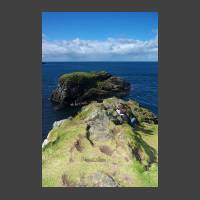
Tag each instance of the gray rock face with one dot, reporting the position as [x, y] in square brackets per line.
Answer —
[98, 126]
[99, 179]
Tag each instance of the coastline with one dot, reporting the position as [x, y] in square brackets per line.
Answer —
[138, 74]
[83, 148]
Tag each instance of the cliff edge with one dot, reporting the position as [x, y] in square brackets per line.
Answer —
[97, 148]
[79, 88]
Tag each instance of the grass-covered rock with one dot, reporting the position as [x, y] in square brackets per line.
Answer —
[80, 88]
[96, 148]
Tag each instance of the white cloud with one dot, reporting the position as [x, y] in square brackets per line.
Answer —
[111, 49]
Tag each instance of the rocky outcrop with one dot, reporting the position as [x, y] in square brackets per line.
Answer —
[80, 88]
[100, 179]
[97, 148]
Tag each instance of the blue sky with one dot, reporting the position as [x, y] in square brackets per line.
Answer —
[100, 36]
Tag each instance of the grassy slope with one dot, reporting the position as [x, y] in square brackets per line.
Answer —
[60, 157]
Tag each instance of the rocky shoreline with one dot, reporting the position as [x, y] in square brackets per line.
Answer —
[96, 147]
[81, 88]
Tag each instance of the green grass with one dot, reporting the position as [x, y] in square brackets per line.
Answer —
[56, 154]
[146, 178]
[75, 75]
[79, 78]
[60, 157]
[85, 111]
[88, 79]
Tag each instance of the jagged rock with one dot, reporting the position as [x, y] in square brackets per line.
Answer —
[83, 87]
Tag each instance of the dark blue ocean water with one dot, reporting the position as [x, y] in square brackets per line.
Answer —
[143, 77]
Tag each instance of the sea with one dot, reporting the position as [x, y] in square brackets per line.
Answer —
[143, 77]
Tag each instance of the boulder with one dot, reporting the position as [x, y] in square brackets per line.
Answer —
[99, 179]
[98, 126]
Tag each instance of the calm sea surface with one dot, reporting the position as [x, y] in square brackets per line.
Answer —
[143, 77]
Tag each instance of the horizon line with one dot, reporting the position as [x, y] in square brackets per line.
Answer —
[100, 61]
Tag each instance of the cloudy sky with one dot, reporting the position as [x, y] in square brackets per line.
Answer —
[99, 36]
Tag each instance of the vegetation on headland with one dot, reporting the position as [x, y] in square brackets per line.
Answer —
[96, 148]
[80, 88]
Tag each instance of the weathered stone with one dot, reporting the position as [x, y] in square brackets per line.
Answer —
[58, 123]
[98, 126]
[100, 179]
